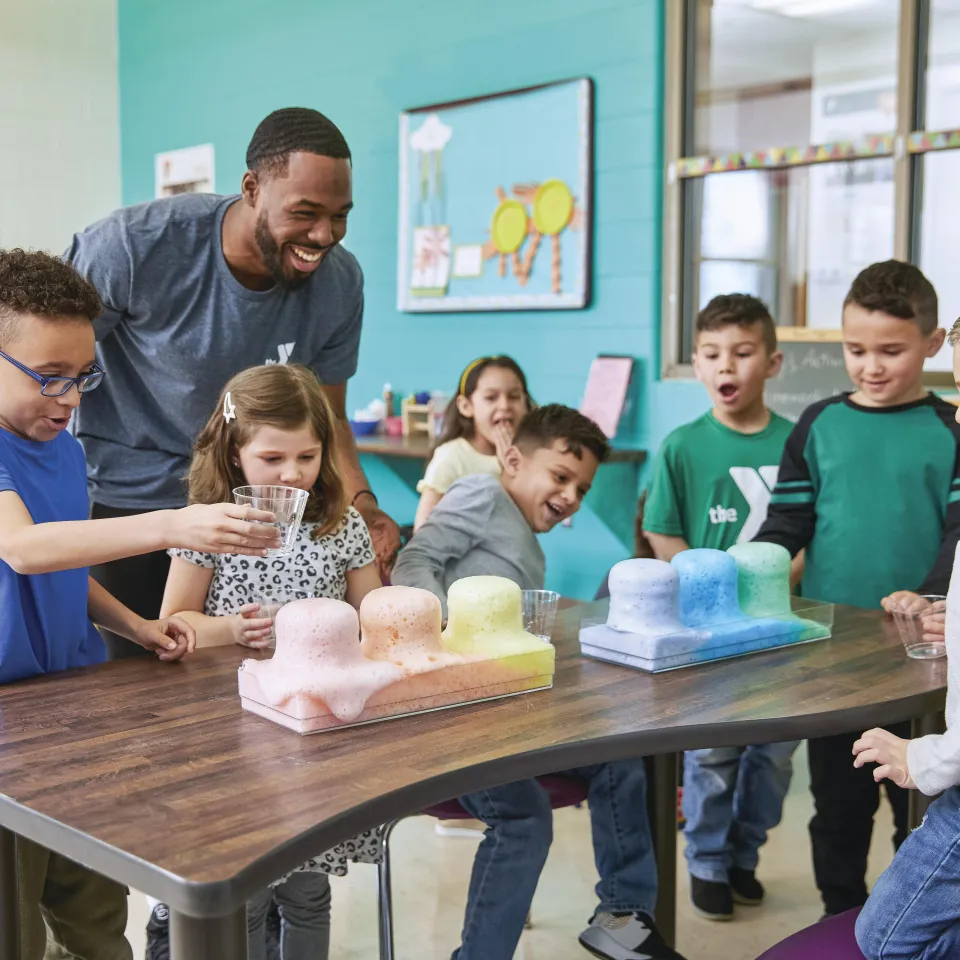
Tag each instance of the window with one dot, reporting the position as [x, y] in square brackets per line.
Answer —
[805, 140]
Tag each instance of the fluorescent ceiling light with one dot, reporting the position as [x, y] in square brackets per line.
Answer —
[808, 8]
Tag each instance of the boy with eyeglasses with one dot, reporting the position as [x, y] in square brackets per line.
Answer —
[48, 603]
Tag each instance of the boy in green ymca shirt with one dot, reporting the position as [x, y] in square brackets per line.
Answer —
[710, 487]
[869, 487]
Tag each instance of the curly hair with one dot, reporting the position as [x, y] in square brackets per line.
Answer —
[36, 283]
[741, 310]
[898, 289]
[293, 130]
[285, 396]
[546, 425]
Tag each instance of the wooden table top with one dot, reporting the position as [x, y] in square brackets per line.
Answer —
[420, 447]
[151, 772]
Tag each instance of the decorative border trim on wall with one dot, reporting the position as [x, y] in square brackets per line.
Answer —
[774, 158]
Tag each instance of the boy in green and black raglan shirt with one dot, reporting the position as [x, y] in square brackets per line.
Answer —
[710, 487]
[869, 487]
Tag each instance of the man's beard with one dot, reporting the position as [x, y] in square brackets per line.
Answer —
[272, 259]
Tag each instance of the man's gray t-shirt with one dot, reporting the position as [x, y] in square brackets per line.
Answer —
[476, 530]
[177, 325]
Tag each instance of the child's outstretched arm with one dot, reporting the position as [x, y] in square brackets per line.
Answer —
[170, 638]
[451, 531]
[31, 548]
[889, 752]
[791, 516]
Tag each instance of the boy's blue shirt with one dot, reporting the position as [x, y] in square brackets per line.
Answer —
[44, 625]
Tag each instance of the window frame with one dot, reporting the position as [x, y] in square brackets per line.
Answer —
[905, 145]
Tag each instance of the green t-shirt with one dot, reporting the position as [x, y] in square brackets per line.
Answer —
[873, 495]
[711, 485]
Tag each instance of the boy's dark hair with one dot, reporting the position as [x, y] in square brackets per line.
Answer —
[545, 425]
[34, 282]
[899, 289]
[293, 130]
[738, 309]
[953, 337]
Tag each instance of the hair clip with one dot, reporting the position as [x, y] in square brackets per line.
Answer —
[229, 408]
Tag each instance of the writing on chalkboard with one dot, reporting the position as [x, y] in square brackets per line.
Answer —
[810, 372]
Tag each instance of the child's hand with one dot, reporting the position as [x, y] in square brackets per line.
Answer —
[249, 630]
[502, 440]
[889, 753]
[171, 638]
[933, 617]
[223, 528]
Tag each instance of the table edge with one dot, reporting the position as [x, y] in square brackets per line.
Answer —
[219, 898]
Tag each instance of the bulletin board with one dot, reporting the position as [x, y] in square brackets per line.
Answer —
[495, 202]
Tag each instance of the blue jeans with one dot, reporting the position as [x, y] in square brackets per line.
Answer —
[731, 797]
[515, 845]
[914, 910]
[303, 900]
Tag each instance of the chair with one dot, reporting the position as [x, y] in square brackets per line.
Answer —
[563, 792]
[832, 939]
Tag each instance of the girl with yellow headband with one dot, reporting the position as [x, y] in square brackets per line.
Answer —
[491, 400]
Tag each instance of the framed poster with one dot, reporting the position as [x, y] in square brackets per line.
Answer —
[495, 202]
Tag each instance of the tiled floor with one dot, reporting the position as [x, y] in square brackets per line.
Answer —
[431, 873]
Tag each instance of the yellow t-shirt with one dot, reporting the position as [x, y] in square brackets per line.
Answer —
[454, 460]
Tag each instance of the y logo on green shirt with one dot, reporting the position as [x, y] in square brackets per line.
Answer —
[756, 485]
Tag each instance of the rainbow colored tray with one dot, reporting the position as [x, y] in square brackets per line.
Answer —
[332, 669]
[704, 605]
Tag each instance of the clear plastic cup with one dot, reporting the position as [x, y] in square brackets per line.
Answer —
[914, 621]
[271, 604]
[540, 612]
[285, 503]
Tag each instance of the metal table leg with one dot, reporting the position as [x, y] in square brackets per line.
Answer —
[9, 897]
[216, 938]
[922, 727]
[664, 777]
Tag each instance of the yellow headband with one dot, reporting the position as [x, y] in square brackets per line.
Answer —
[466, 373]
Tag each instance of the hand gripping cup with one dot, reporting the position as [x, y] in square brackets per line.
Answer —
[285, 503]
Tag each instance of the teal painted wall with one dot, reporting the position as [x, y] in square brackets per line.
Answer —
[197, 71]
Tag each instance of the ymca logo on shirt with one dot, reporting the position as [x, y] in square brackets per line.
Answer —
[756, 485]
[284, 352]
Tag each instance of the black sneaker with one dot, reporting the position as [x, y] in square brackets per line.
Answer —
[158, 933]
[626, 936]
[711, 900]
[745, 887]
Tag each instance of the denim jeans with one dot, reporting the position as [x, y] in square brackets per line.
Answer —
[304, 903]
[514, 849]
[914, 910]
[731, 797]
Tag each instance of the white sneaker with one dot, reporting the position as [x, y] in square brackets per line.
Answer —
[627, 936]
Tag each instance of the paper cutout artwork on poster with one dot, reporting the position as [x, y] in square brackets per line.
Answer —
[468, 260]
[431, 261]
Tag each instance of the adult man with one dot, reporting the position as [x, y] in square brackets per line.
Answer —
[197, 287]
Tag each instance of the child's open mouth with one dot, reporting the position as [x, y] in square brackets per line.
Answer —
[554, 511]
[729, 391]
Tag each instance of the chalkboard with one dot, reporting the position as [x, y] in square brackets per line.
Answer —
[811, 372]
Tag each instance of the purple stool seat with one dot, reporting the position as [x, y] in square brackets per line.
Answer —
[563, 792]
[831, 939]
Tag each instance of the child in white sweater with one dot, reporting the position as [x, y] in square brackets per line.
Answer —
[914, 910]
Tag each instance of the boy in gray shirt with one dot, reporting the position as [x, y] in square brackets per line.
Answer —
[486, 526]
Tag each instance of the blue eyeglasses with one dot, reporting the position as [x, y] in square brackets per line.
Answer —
[58, 386]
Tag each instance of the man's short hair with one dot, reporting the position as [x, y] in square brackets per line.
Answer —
[293, 130]
[544, 426]
[740, 310]
[898, 289]
[37, 283]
